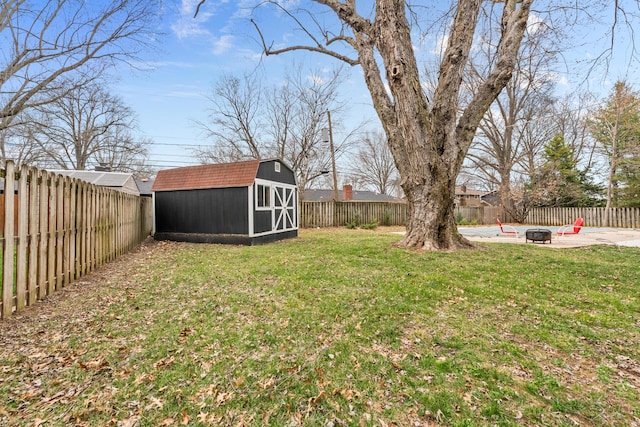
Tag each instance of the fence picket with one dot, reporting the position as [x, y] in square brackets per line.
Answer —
[32, 279]
[43, 234]
[59, 232]
[22, 243]
[7, 253]
[51, 255]
[71, 231]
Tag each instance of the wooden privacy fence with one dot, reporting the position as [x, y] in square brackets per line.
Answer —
[61, 229]
[481, 215]
[593, 217]
[337, 214]
[331, 214]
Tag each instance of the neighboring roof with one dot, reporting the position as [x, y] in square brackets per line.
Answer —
[492, 198]
[106, 179]
[118, 180]
[144, 185]
[358, 195]
[240, 174]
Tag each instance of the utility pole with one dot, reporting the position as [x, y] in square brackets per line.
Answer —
[333, 159]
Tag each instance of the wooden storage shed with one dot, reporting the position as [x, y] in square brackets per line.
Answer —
[240, 203]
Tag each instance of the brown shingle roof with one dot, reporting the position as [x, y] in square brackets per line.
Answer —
[241, 174]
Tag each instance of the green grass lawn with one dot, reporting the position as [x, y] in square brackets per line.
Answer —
[334, 328]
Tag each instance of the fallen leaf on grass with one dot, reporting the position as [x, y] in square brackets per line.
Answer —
[155, 403]
[202, 417]
[346, 393]
[129, 422]
[223, 397]
[95, 364]
[164, 362]
[144, 378]
[268, 383]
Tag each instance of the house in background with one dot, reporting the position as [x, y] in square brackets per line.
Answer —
[347, 194]
[466, 197]
[240, 203]
[117, 180]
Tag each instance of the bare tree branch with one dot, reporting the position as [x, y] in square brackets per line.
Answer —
[64, 37]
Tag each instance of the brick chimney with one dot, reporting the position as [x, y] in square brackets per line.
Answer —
[347, 192]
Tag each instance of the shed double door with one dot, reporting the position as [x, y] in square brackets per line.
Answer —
[285, 207]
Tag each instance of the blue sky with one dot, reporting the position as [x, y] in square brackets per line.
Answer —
[171, 94]
[194, 53]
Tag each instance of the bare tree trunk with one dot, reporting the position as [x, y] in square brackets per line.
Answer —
[431, 218]
[505, 194]
[612, 169]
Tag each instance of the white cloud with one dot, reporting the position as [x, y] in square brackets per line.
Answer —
[553, 76]
[154, 65]
[222, 44]
[288, 3]
[441, 45]
[188, 25]
[535, 24]
[316, 79]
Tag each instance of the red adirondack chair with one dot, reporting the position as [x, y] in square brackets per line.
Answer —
[571, 228]
[507, 229]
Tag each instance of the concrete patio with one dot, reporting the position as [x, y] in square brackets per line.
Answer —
[587, 236]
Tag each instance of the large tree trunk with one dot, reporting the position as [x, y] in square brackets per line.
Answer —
[429, 139]
[427, 146]
[505, 195]
[431, 221]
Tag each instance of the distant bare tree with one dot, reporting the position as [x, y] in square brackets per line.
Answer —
[616, 128]
[87, 124]
[43, 43]
[122, 152]
[571, 120]
[249, 120]
[519, 121]
[17, 142]
[373, 164]
[235, 122]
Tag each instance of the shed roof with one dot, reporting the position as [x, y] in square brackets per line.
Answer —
[240, 174]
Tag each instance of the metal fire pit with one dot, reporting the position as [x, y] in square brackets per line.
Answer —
[538, 235]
